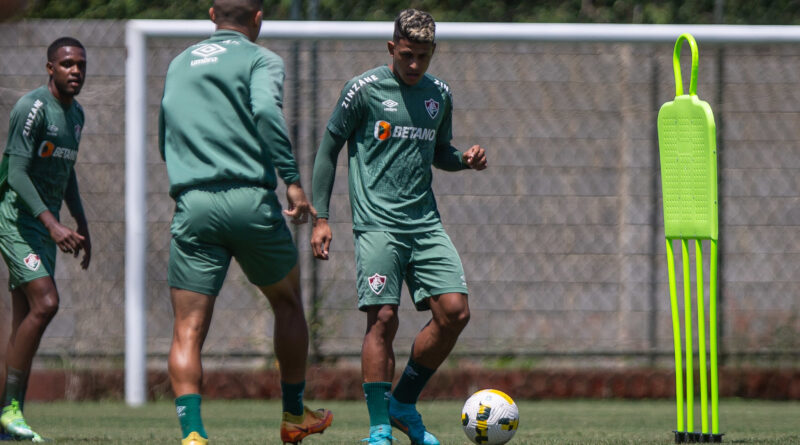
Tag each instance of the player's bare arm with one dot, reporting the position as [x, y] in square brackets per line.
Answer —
[298, 206]
[321, 238]
[475, 158]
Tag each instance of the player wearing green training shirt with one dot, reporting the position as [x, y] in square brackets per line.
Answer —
[36, 174]
[223, 135]
[397, 122]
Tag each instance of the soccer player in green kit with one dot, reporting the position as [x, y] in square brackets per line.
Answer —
[397, 121]
[36, 174]
[222, 134]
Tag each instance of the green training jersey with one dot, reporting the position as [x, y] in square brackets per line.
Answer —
[222, 118]
[48, 133]
[393, 130]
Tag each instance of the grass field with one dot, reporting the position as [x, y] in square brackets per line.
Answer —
[541, 422]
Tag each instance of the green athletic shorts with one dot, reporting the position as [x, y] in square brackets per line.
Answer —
[428, 263]
[216, 222]
[28, 251]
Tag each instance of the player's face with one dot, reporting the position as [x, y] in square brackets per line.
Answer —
[410, 60]
[67, 70]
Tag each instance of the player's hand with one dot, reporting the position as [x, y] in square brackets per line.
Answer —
[321, 238]
[475, 158]
[86, 244]
[65, 238]
[299, 207]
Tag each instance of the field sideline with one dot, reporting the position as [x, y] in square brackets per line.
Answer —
[541, 422]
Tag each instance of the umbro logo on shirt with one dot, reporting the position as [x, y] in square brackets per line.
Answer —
[209, 50]
[390, 105]
[208, 53]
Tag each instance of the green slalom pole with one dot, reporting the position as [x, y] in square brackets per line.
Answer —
[701, 336]
[676, 335]
[687, 320]
[712, 321]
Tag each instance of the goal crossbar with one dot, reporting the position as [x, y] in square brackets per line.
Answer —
[138, 31]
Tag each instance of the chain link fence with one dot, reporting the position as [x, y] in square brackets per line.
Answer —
[561, 238]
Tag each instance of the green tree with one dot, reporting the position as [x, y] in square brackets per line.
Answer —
[778, 12]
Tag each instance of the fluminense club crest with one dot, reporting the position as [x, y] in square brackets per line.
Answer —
[432, 107]
[32, 261]
[377, 283]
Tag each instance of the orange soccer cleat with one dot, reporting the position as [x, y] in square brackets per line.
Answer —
[295, 428]
[194, 439]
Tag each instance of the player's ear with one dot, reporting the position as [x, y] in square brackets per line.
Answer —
[50, 68]
[212, 15]
[254, 26]
[390, 46]
[257, 20]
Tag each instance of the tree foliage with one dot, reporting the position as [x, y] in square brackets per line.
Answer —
[783, 12]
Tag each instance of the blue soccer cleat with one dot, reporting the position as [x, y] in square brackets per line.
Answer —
[406, 417]
[3, 435]
[379, 435]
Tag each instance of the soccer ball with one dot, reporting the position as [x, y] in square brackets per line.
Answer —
[490, 417]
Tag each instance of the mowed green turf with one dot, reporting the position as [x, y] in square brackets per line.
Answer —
[541, 422]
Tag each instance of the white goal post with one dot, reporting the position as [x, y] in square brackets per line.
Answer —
[138, 31]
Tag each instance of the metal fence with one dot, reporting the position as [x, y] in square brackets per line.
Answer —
[561, 238]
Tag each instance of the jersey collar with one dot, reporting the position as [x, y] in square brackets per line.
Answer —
[227, 34]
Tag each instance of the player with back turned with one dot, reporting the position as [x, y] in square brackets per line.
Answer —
[223, 135]
[397, 121]
[36, 174]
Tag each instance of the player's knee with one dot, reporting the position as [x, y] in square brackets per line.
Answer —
[384, 321]
[45, 307]
[284, 297]
[189, 332]
[456, 320]
[286, 303]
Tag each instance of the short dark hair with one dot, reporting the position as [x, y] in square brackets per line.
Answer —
[60, 43]
[236, 12]
[414, 26]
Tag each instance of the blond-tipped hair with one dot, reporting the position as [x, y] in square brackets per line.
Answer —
[414, 26]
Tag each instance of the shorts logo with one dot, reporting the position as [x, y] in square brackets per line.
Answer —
[377, 283]
[383, 130]
[432, 107]
[32, 261]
